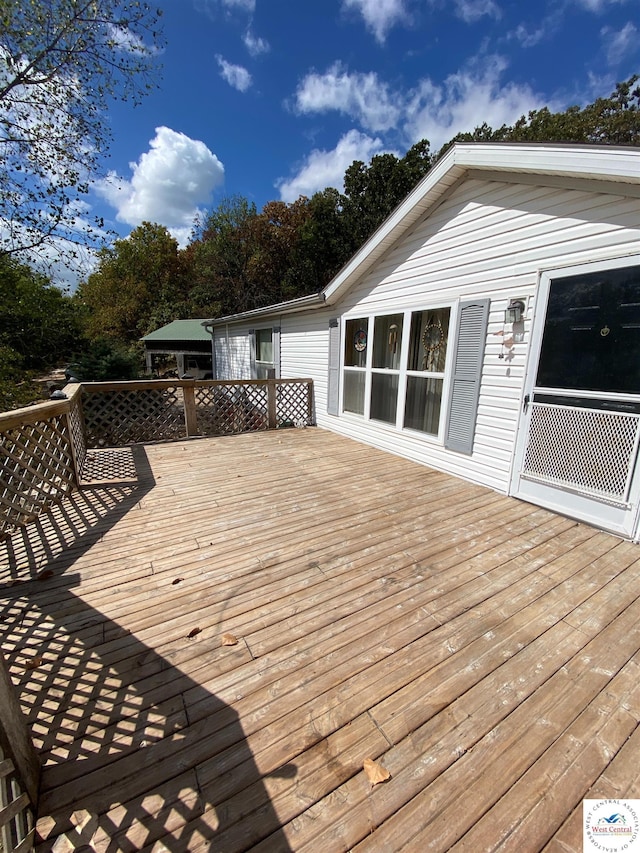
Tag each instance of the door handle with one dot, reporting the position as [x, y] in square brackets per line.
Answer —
[525, 403]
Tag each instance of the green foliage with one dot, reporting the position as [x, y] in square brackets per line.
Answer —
[607, 121]
[138, 285]
[373, 191]
[220, 258]
[16, 387]
[39, 328]
[61, 61]
[105, 361]
[37, 320]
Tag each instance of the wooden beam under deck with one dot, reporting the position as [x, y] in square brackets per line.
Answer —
[483, 650]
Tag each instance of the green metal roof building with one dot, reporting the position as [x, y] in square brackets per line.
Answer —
[188, 342]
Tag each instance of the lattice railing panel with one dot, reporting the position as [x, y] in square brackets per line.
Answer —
[586, 450]
[76, 424]
[17, 818]
[36, 469]
[293, 404]
[232, 408]
[118, 417]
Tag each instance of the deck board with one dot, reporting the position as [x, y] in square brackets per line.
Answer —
[486, 651]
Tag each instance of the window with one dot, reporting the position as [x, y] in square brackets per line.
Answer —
[265, 353]
[591, 338]
[264, 345]
[355, 361]
[425, 369]
[398, 377]
[387, 344]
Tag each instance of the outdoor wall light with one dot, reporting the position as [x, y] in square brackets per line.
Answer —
[514, 312]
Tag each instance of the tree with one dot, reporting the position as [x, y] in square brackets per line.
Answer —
[39, 329]
[322, 248]
[614, 120]
[37, 320]
[373, 191]
[137, 286]
[221, 258]
[107, 361]
[61, 61]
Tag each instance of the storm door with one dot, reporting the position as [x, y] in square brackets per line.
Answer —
[580, 425]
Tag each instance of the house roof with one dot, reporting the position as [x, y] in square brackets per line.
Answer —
[606, 164]
[179, 330]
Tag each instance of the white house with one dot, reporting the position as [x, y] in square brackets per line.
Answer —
[490, 328]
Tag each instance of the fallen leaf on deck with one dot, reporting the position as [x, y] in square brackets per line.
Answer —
[33, 663]
[43, 576]
[229, 640]
[194, 632]
[375, 772]
[177, 580]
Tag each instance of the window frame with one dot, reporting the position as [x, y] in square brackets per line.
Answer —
[402, 372]
[269, 369]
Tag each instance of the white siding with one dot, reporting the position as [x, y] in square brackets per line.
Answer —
[233, 352]
[304, 352]
[487, 239]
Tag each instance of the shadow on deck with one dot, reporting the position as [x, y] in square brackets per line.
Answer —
[134, 749]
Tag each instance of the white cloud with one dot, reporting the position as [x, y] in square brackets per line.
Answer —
[362, 96]
[528, 38]
[465, 100]
[214, 7]
[126, 41]
[472, 10]
[168, 185]
[473, 95]
[255, 45]
[598, 5]
[326, 168]
[235, 75]
[66, 257]
[244, 5]
[620, 43]
[379, 15]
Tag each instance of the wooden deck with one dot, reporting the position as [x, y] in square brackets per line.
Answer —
[484, 651]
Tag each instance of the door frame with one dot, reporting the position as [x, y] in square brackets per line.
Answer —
[598, 511]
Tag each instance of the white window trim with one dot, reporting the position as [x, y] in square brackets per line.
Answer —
[402, 372]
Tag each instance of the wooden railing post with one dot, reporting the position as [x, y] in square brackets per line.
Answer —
[309, 401]
[272, 421]
[77, 443]
[190, 413]
[20, 762]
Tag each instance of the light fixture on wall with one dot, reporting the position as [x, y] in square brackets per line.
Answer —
[514, 312]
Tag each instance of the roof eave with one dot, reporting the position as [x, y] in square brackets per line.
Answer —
[558, 160]
[302, 303]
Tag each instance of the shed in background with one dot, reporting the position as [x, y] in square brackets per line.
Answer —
[185, 340]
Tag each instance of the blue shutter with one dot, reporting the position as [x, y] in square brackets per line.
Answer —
[468, 355]
[333, 386]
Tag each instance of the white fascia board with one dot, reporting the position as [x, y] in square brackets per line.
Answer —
[604, 163]
[302, 303]
[597, 162]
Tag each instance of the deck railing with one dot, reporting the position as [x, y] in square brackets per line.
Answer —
[19, 773]
[43, 447]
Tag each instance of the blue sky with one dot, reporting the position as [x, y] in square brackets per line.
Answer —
[271, 99]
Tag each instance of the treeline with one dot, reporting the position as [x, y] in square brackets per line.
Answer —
[240, 258]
